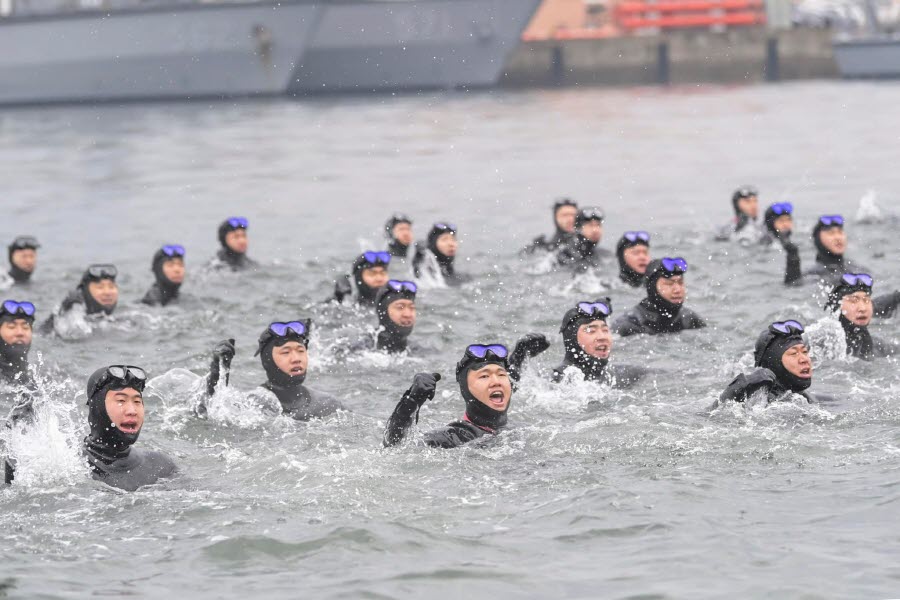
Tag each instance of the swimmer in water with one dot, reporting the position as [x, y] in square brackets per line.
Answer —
[663, 310]
[96, 294]
[830, 241]
[283, 351]
[401, 244]
[779, 222]
[369, 272]
[744, 227]
[852, 300]
[782, 366]
[116, 418]
[485, 376]
[22, 259]
[583, 253]
[233, 239]
[437, 262]
[588, 344]
[16, 321]
[168, 269]
[564, 211]
[395, 304]
[633, 252]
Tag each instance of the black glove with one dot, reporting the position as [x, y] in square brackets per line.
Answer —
[789, 246]
[531, 344]
[423, 387]
[342, 288]
[223, 353]
[744, 386]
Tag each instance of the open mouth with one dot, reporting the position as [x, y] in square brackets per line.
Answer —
[297, 371]
[601, 349]
[128, 426]
[806, 372]
[496, 398]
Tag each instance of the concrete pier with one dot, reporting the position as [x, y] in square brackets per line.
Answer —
[736, 56]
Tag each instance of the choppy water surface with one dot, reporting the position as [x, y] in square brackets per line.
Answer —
[591, 493]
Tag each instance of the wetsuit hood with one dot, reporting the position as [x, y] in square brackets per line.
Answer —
[823, 254]
[394, 337]
[593, 368]
[626, 273]
[837, 293]
[395, 247]
[366, 292]
[445, 262]
[668, 310]
[105, 441]
[267, 344]
[168, 288]
[91, 305]
[14, 357]
[478, 413]
[769, 219]
[770, 348]
[21, 243]
[745, 191]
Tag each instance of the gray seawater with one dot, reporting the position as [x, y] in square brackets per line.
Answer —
[591, 493]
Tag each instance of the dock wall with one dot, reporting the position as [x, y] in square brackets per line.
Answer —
[737, 56]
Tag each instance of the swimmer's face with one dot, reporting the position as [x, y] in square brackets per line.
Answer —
[595, 339]
[17, 331]
[593, 230]
[105, 292]
[126, 409]
[749, 206]
[446, 244]
[565, 218]
[857, 308]
[375, 277]
[783, 223]
[24, 259]
[402, 312]
[834, 239]
[672, 289]
[237, 240]
[637, 258]
[173, 269]
[490, 385]
[292, 358]
[402, 232]
[796, 360]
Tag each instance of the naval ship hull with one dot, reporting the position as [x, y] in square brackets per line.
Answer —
[875, 58]
[190, 51]
[380, 45]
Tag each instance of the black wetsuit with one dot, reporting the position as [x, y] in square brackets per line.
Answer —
[861, 343]
[345, 286]
[886, 305]
[581, 254]
[14, 363]
[19, 276]
[127, 468]
[654, 317]
[81, 296]
[745, 385]
[433, 258]
[453, 435]
[626, 273]
[234, 260]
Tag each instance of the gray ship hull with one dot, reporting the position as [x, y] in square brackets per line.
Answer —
[162, 53]
[366, 45]
[876, 58]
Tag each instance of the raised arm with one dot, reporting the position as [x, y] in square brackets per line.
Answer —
[422, 389]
